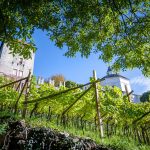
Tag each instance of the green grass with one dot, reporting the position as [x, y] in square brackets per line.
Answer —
[118, 142]
[124, 143]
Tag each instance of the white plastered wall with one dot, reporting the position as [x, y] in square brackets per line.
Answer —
[8, 63]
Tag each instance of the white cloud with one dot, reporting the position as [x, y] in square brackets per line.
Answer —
[141, 81]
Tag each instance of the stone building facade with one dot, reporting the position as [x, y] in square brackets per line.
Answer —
[14, 66]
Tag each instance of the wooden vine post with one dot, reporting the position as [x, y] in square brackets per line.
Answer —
[100, 123]
[128, 94]
[20, 94]
[28, 83]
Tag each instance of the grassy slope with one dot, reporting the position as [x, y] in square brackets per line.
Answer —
[122, 143]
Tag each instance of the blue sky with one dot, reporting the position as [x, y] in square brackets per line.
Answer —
[50, 60]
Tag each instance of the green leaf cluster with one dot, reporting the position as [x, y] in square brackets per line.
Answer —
[118, 31]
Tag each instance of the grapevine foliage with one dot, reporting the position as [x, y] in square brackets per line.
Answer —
[118, 114]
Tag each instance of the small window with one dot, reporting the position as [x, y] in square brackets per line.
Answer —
[15, 72]
[21, 61]
[20, 73]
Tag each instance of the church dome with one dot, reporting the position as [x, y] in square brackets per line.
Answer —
[110, 74]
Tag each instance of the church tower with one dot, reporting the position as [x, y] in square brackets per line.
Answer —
[109, 71]
[14, 66]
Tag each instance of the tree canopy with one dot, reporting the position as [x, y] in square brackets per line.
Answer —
[145, 97]
[57, 79]
[70, 84]
[118, 31]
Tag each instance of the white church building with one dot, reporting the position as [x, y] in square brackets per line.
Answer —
[112, 79]
[115, 79]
